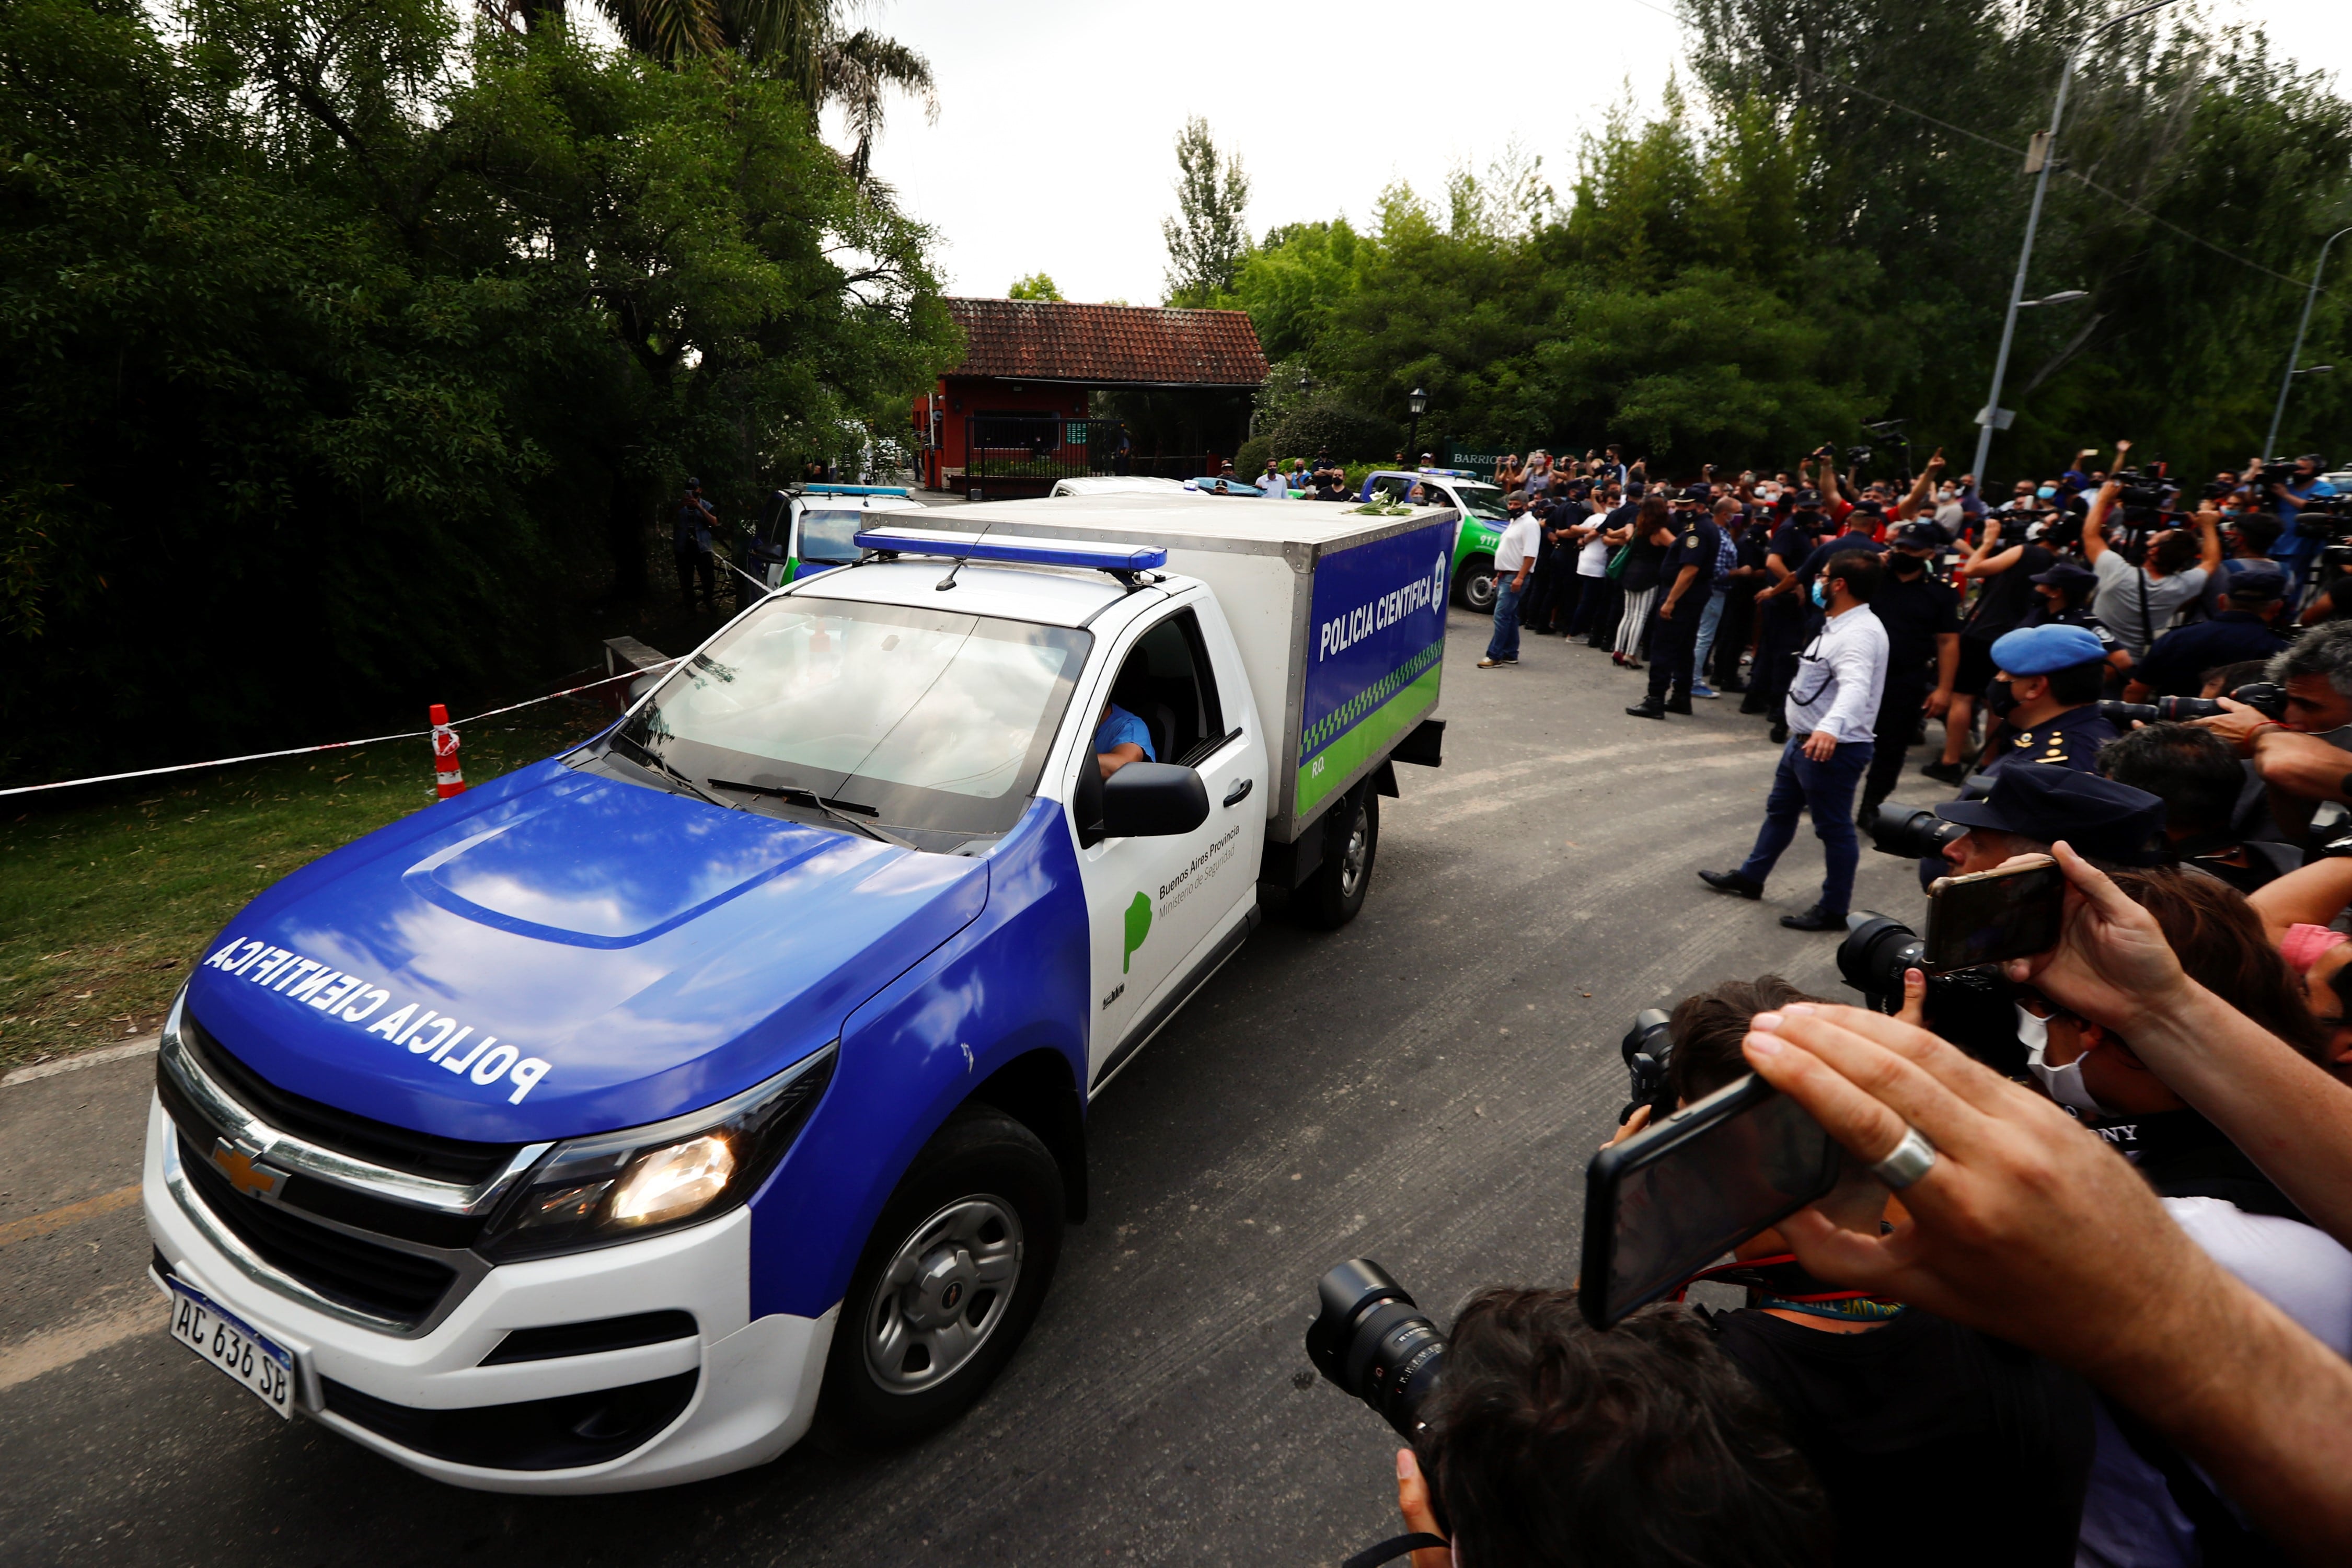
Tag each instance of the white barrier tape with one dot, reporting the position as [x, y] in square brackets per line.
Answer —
[747, 576]
[331, 745]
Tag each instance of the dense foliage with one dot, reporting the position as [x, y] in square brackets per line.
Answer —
[352, 353]
[1791, 254]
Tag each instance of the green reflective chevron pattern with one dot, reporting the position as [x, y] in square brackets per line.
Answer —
[1325, 730]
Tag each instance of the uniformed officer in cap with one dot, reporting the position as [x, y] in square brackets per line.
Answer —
[2045, 692]
[2247, 629]
[2062, 595]
[2027, 810]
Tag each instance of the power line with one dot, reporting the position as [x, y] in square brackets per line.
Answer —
[1897, 104]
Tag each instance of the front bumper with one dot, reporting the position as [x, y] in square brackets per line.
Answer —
[754, 1382]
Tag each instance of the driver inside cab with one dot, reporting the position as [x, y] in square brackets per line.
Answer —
[1120, 738]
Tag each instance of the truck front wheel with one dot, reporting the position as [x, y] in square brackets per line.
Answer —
[1334, 891]
[1477, 579]
[950, 1282]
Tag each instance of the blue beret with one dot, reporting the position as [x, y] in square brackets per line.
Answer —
[2038, 650]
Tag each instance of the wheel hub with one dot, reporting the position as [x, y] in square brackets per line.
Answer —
[944, 1294]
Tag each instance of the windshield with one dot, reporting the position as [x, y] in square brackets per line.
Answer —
[1482, 502]
[825, 536]
[920, 721]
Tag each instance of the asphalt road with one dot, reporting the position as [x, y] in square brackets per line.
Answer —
[1422, 1087]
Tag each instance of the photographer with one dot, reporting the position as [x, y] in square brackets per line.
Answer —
[2138, 602]
[2248, 628]
[1553, 1445]
[2018, 1224]
[2204, 789]
[2304, 757]
[1936, 1443]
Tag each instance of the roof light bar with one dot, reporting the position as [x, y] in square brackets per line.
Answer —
[1093, 555]
[855, 489]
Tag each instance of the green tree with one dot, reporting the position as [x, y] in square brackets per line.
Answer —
[1206, 239]
[1036, 286]
[354, 354]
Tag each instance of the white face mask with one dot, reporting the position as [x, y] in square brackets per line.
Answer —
[2063, 1084]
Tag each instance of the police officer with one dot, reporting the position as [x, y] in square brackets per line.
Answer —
[2247, 629]
[2045, 694]
[1688, 575]
[1922, 618]
[2062, 598]
[1783, 610]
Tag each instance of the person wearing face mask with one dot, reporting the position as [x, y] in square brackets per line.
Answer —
[2045, 696]
[2004, 563]
[1832, 713]
[1782, 608]
[2062, 598]
[1922, 618]
[2144, 1505]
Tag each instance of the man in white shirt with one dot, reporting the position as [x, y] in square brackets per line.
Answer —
[1515, 556]
[1272, 484]
[1833, 721]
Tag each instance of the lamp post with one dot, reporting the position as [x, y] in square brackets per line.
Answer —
[2270, 442]
[1418, 401]
[2038, 163]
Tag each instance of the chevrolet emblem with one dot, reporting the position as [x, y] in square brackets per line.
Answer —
[246, 1172]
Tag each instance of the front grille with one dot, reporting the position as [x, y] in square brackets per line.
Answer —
[455, 1160]
[559, 1434]
[381, 1281]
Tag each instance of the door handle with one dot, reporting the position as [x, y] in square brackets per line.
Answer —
[1239, 792]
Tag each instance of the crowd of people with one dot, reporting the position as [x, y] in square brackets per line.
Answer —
[2085, 1294]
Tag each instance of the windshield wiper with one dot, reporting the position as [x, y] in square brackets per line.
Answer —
[662, 765]
[795, 795]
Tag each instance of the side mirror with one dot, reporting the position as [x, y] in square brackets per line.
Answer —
[1088, 804]
[1151, 800]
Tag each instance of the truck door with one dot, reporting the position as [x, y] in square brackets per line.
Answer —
[1163, 909]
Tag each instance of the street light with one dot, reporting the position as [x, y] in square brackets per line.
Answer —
[2038, 163]
[2270, 442]
[1418, 401]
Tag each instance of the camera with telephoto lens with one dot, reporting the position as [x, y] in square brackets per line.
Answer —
[1913, 832]
[1369, 1339]
[1647, 1048]
[2269, 699]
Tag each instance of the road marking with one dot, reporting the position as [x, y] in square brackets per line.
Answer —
[42, 1224]
[53, 1348]
[139, 1047]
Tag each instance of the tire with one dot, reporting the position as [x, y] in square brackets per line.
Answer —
[1477, 584]
[983, 1190]
[1334, 891]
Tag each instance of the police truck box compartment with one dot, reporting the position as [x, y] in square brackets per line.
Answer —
[1340, 617]
[604, 1126]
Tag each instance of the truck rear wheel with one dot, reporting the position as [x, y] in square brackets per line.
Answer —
[1334, 891]
[1477, 579]
[950, 1282]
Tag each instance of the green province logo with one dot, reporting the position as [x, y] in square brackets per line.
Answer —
[1139, 926]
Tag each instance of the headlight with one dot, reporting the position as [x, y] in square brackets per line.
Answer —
[617, 1186]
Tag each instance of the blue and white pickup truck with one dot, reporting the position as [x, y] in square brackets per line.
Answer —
[602, 1127]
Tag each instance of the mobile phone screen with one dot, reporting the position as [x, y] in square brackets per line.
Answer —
[1995, 915]
[1675, 1197]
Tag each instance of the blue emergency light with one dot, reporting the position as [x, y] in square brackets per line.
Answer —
[854, 489]
[1091, 555]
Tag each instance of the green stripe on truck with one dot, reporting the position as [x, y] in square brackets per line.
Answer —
[1371, 736]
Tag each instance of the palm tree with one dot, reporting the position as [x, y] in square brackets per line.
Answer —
[800, 41]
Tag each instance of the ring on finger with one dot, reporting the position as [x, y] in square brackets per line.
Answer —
[1908, 1162]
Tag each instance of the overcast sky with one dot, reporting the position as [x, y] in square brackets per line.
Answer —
[1053, 146]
